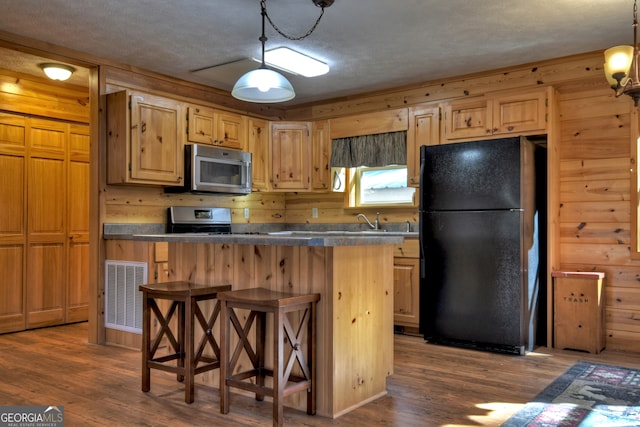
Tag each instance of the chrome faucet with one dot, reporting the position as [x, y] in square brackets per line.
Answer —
[376, 223]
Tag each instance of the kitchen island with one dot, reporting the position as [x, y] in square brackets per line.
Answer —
[352, 273]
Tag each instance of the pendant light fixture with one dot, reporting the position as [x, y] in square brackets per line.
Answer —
[621, 65]
[264, 85]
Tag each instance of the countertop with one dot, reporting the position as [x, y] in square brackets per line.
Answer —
[275, 239]
[263, 235]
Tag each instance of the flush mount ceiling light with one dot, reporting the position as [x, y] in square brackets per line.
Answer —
[57, 71]
[621, 65]
[294, 62]
[263, 84]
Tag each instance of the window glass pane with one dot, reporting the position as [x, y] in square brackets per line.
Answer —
[387, 185]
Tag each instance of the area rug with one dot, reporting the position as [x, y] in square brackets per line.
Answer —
[588, 394]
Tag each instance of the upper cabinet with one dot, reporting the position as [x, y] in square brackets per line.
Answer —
[215, 127]
[320, 156]
[144, 139]
[424, 129]
[290, 156]
[515, 113]
[258, 146]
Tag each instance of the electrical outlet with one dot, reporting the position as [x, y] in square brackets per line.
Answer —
[314, 212]
[246, 213]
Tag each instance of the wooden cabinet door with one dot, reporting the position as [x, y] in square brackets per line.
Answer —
[468, 118]
[406, 284]
[320, 156]
[46, 223]
[201, 125]
[230, 130]
[291, 153]
[156, 144]
[424, 129]
[258, 146]
[12, 223]
[77, 302]
[520, 112]
[213, 127]
[406, 292]
[12, 304]
[145, 137]
[497, 115]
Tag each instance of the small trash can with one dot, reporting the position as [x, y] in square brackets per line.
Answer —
[578, 311]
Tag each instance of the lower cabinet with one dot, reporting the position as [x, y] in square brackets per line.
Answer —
[406, 286]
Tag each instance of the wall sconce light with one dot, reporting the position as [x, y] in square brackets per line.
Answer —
[621, 65]
[57, 71]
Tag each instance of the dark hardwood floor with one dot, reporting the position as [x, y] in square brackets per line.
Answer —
[432, 385]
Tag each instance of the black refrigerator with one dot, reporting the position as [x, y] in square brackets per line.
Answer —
[483, 244]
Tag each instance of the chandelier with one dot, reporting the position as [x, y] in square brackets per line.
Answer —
[621, 65]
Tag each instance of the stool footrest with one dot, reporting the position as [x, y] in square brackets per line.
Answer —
[167, 358]
[207, 367]
[267, 391]
[167, 368]
[254, 388]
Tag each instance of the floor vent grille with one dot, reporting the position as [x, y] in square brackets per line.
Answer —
[123, 300]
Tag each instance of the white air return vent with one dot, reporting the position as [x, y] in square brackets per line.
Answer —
[123, 300]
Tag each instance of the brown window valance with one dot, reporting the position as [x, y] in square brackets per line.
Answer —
[382, 149]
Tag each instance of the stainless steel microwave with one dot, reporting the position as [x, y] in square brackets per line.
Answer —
[215, 170]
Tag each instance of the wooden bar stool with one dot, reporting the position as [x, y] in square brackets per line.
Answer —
[184, 297]
[261, 301]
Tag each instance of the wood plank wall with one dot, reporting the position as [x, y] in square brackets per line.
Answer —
[593, 143]
[592, 136]
[332, 210]
[148, 205]
[595, 210]
[592, 131]
[33, 96]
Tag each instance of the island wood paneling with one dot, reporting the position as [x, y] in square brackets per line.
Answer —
[356, 287]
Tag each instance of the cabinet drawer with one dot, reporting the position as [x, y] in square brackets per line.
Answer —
[407, 249]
